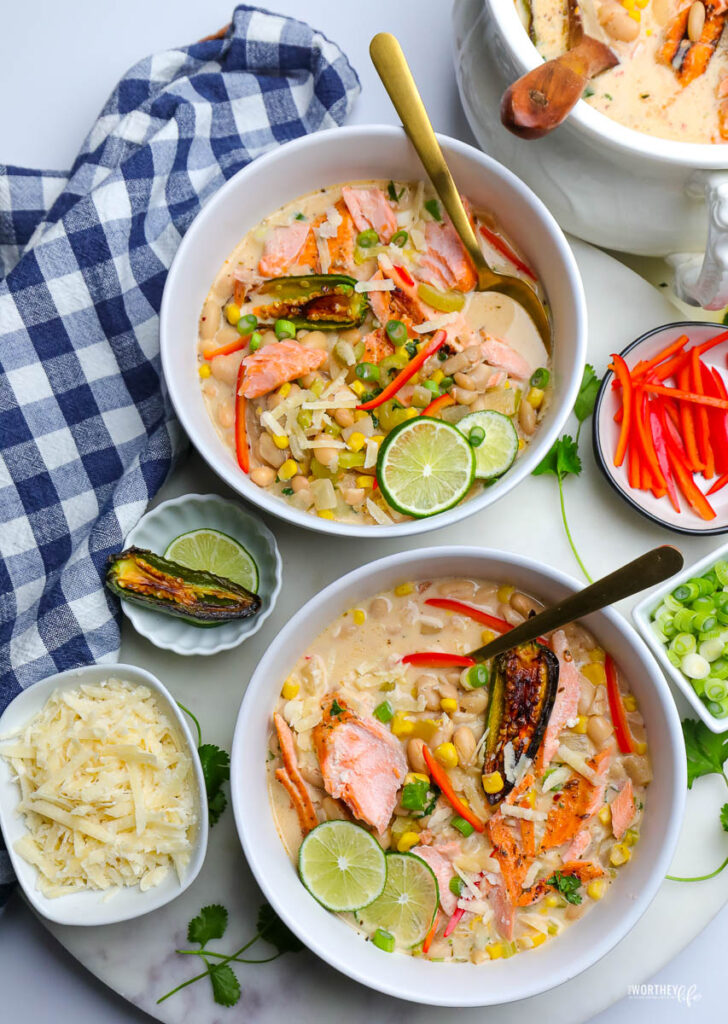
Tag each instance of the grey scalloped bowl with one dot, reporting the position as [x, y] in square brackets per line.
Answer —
[160, 526]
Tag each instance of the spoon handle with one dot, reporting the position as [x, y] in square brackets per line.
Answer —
[392, 67]
[646, 571]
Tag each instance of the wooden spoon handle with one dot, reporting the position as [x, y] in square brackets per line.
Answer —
[542, 98]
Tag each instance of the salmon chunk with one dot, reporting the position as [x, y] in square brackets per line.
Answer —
[369, 209]
[576, 804]
[497, 353]
[446, 261]
[269, 367]
[377, 346]
[566, 705]
[504, 911]
[578, 844]
[291, 779]
[623, 810]
[443, 871]
[361, 763]
[282, 247]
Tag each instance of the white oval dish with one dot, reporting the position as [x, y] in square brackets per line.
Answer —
[94, 907]
[160, 526]
[410, 978]
[358, 153]
[605, 433]
[642, 615]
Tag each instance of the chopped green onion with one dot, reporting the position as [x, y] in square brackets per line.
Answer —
[476, 436]
[392, 192]
[719, 668]
[463, 826]
[284, 329]
[384, 711]
[704, 621]
[352, 460]
[477, 676]
[456, 885]
[304, 418]
[703, 604]
[399, 238]
[256, 340]
[686, 592]
[433, 208]
[683, 643]
[721, 571]
[367, 239]
[247, 324]
[431, 386]
[396, 332]
[540, 378]
[383, 939]
[445, 383]
[367, 371]
[684, 619]
[716, 689]
[695, 667]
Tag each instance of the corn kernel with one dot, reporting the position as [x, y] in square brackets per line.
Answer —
[521, 444]
[631, 837]
[630, 704]
[411, 777]
[359, 616]
[285, 389]
[495, 950]
[605, 814]
[401, 726]
[402, 353]
[290, 689]
[595, 673]
[437, 376]
[553, 929]
[288, 470]
[531, 798]
[204, 371]
[280, 441]
[504, 594]
[358, 388]
[619, 854]
[449, 705]
[377, 438]
[595, 889]
[360, 414]
[447, 755]
[552, 901]
[403, 589]
[407, 841]
[525, 942]
[640, 747]
[410, 414]
[356, 441]
[487, 635]
[597, 654]
[538, 939]
[325, 513]
[493, 782]
[232, 313]
[535, 397]
[581, 723]
[367, 482]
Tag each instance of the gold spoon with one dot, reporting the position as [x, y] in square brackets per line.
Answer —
[646, 571]
[392, 67]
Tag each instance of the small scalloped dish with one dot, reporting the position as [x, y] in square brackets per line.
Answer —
[159, 527]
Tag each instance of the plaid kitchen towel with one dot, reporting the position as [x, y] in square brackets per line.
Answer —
[87, 434]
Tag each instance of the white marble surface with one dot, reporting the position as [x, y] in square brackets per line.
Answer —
[45, 109]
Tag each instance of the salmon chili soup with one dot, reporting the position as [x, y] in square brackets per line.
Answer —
[448, 808]
[671, 75]
[351, 367]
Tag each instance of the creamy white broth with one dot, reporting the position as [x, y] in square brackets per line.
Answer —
[358, 659]
[641, 92]
[482, 316]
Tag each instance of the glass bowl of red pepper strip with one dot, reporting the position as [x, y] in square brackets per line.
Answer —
[660, 427]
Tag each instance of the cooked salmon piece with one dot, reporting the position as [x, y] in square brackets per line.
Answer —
[377, 346]
[497, 353]
[269, 367]
[282, 247]
[512, 845]
[369, 209]
[446, 261]
[361, 763]
[623, 810]
[291, 779]
[578, 844]
[504, 911]
[443, 871]
[341, 246]
[566, 705]
[576, 804]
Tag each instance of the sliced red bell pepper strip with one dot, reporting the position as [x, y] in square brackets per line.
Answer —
[616, 708]
[241, 434]
[410, 370]
[438, 659]
[671, 423]
[431, 934]
[453, 922]
[505, 250]
[658, 438]
[645, 439]
[642, 368]
[619, 368]
[687, 422]
[405, 275]
[705, 346]
[719, 484]
[442, 780]
[440, 403]
[633, 466]
[449, 605]
[695, 498]
[704, 446]
[225, 350]
[686, 396]
[713, 385]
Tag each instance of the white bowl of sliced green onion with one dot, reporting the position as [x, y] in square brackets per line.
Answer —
[685, 624]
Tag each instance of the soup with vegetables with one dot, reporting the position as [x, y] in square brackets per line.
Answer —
[507, 795]
[348, 363]
[672, 76]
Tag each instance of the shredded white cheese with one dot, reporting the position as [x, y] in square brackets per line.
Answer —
[578, 763]
[332, 223]
[323, 252]
[372, 451]
[556, 779]
[106, 790]
[377, 514]
[527, 813]
[436, 324]
[374, 286]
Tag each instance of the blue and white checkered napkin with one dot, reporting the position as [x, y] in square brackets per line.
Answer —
[87, 434]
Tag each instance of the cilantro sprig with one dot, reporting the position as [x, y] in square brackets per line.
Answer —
[707, 753]
[568, 886]
[563, 458]
[215, 770]
[211, 923]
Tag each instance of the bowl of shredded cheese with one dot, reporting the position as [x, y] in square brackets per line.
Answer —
[102, 797]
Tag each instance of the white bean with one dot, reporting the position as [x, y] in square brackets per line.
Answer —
[527, 417]
[464, 743]
[696, 21]
[263, 476]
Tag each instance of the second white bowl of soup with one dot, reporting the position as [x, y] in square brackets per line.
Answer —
[286, 339]
[546, 841]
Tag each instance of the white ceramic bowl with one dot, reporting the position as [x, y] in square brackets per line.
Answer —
[92, 907]
[605, 433]
[352, 154]
[160, 526]
[642, 615]
[498, 981]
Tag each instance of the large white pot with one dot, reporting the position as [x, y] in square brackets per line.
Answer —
[605, 183]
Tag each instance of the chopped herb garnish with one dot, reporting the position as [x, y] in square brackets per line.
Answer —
[608, 96]
[287, 490]
[644, 95]
[433, 208]
[336, 708]
[587, 92]
[299, 216]
[215, 765]
[567, 885]
[414, 795]
[411, 347]
[392, 192]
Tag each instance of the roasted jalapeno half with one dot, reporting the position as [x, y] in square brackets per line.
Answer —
[524, 681]
[324, 302]
[154, 582]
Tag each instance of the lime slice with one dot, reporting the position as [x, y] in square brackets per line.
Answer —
[342, 865]
[217, 553]
[425, 466]
[497, 451]
[408, 902]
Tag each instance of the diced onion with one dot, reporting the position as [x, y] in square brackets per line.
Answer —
[436, 324]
